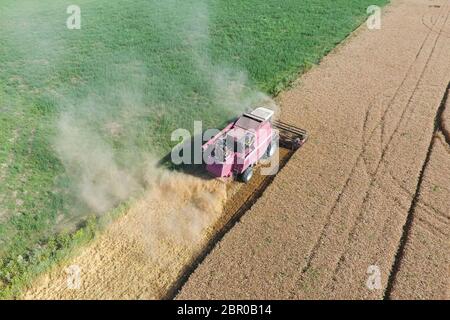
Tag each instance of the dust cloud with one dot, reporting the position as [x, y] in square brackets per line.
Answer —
[101, 135]
[103, 176]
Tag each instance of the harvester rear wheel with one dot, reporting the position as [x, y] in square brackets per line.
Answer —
[247, 175]
[270, 151]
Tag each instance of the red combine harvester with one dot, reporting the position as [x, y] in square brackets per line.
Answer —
[235, 150]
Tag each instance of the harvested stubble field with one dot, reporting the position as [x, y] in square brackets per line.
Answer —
[142, 254]
[371, 186]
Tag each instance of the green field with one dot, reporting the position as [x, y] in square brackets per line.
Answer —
[82, 110]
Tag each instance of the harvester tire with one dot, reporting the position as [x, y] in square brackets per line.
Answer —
[270, 151]
[247, 175]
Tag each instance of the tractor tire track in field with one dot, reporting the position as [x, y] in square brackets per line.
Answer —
[422, 262]
[414, 198]
[430, 24]
[390, 104]
[411, 212]
[396, 130]
[411, 195]
[361, 156]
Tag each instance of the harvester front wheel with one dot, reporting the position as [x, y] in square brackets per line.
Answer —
[247, 175]
[271, 150]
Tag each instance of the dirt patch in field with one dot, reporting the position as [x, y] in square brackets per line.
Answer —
[331, 224]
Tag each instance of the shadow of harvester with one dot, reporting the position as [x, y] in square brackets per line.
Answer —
[192, 155]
